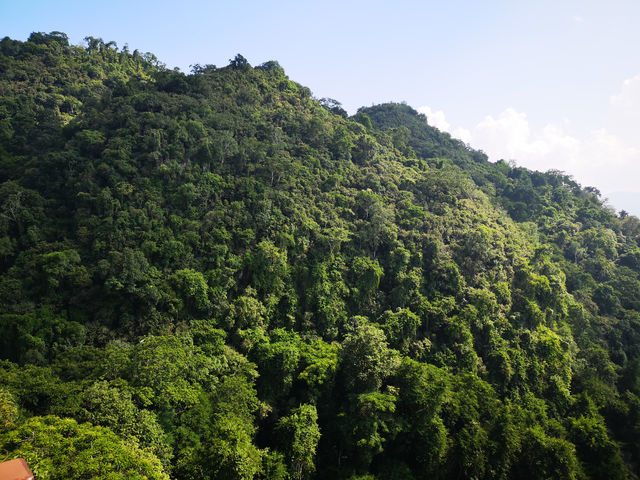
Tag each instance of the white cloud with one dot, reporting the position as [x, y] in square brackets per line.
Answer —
[623, 117]
[578, 19]
[435, 119]
[600, 158]
[629, 97]
[607, 157]
[510, 137]
[463, 134]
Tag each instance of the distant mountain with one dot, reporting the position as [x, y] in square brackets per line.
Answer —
[217, 276]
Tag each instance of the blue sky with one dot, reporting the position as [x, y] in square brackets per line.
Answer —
[549, 84]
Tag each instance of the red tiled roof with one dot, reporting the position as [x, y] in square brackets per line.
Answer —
[16, 469]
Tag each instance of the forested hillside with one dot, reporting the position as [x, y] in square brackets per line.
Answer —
[216, 276]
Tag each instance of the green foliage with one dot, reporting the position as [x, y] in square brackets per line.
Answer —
[109, 406]
[545, 457]
[230, 279]
[400, 327]
[300, 435]
[8, 411]
[63, 449]
[366, 359]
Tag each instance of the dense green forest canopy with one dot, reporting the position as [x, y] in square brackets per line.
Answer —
[215, 275]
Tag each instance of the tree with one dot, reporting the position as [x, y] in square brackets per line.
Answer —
[268, 265]
[547, 458]
[333, 106]
[600, 456]
[62, 449]
[423, 389]
[299, 434]
[400, 327]
[239, 62]
[193, 289]
[366, 361]
[108, 406]
[8, 411]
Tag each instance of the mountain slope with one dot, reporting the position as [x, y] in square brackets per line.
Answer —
[219, 271]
